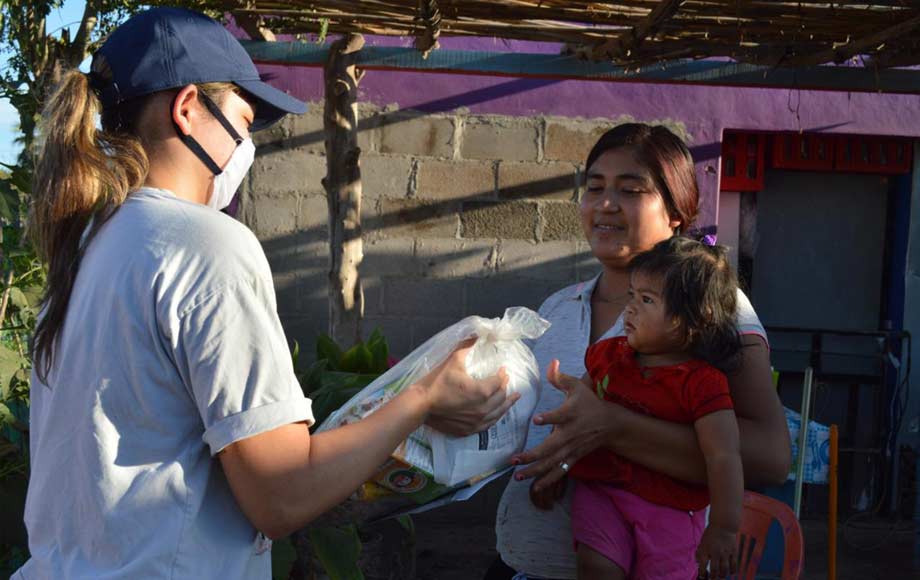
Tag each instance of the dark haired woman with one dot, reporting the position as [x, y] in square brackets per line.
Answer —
[640, 189]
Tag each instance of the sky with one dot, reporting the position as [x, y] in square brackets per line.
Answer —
[68, 16]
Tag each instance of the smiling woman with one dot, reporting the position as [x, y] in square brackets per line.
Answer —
[640, 190]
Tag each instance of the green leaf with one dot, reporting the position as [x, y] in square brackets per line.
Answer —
[327, 349]
[33, 296]
[338, 549]
[336, 388]
[295, 353]
[311, 380]
[10, 363]
[18, 298]
[330, 399]
[375, 336]
[380, 352]
[358, 359]
[9, 202]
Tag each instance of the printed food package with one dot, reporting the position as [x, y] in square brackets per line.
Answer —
[429, 464]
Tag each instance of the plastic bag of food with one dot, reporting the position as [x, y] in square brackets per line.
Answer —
[428, 463]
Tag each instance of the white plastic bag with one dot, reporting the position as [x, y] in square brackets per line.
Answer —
[452, 461]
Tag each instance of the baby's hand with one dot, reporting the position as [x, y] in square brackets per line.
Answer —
[719, 549]
[547, 496]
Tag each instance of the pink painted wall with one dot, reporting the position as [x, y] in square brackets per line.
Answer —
[705, 111]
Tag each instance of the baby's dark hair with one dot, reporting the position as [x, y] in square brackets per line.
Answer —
[700, 289]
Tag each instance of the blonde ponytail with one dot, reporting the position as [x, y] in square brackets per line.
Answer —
[82, 174]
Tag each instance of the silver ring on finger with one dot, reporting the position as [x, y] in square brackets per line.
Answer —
[564, 467]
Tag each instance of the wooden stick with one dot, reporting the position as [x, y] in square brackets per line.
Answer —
[861, 45]
[343, 189]
[807, 386]
[7, 288]
[630, 40]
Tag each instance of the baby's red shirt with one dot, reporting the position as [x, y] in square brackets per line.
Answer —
[680, 393]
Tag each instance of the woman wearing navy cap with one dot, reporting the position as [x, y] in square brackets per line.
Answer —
[159, 347]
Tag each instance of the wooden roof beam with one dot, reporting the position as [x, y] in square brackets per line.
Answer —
[253, 24]
[623, 45]
[862, 45]
[429, 17]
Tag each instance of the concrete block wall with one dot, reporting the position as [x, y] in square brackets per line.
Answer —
[462, 214]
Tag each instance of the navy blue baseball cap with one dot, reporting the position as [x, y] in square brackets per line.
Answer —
[166, 48]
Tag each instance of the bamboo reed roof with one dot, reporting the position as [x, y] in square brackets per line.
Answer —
[882, 33]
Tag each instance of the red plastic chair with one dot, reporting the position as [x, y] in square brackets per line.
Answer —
[759, 513]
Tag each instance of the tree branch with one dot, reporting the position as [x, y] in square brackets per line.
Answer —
[77, 48]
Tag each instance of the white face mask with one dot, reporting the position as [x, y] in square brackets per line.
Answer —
[229, 179]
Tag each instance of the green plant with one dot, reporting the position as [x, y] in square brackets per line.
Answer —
[21, 287]
[330, 381]
[22, 279]
[338, 375]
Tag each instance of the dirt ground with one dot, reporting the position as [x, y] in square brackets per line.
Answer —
[458, 543]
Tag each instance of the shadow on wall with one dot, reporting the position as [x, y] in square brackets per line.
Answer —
[415, 288]
[422, 110]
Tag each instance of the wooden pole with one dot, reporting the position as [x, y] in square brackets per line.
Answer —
[832, 507]
[343, 189]
[803, 439]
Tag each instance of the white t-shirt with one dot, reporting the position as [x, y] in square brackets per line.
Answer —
[171, 350]
[535, 542]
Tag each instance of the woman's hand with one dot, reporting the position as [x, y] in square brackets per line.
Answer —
[582, 423]
[461, 405]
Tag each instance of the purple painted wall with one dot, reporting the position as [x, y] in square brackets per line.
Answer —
[705, 111]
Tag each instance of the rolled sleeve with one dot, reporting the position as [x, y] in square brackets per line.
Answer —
[259, 420]
[236, 364]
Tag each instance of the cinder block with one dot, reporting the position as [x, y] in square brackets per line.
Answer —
[586, 265]
[491, 297]
[420, 297]
[287, 287]
[537, 180]
[409, 218]
[299, 266]
[498, 138]
[455, 180]
[499, 220]
[410, 133]
[373, 295]
[572, 140]
[276, 215]
[305, 329]
[295, 252]
[286, 171]
[275, 136]
[313, 217]
[368, 127]
[388, 257]
[561, 221]
[425, 328]
[396, 330]
[455, 258]
[385, 176]
[538, 261]
[306, 131]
